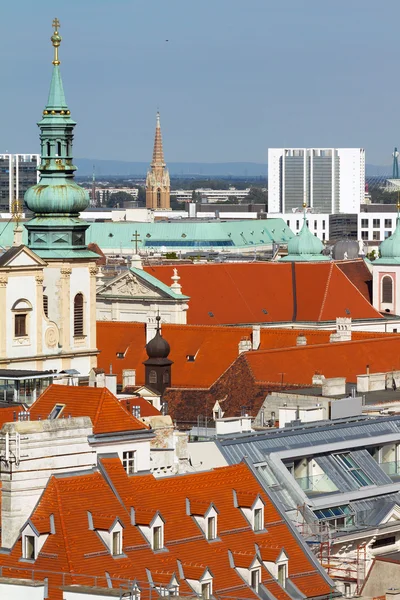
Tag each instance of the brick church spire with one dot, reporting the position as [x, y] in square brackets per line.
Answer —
[157, 181]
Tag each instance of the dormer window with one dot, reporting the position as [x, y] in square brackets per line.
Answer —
[258, 519]
[116, 543]
[151, 525]
[282, 574]
[158, 541]
[28, 546]
[206, 590]
[205, 515]
[211, 528]
[252, 508]
[255, 576]
[110, 531]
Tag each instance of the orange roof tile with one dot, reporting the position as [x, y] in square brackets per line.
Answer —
[103, 408]
[214, 348]
[9, 414]
[80, 554]
[339, 359]
[267, 292]
[146, 408]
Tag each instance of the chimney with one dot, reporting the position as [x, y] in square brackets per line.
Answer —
[97, 378]
[301, 340]
[151, 328]
[256, 337]
[128, 378]
[31, 452]
[111, 383]
[245, 345]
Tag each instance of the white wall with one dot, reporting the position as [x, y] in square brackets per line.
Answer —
[15, 591]
[142, 449]
[318, 223]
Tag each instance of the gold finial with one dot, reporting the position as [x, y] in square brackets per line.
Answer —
[56, 40]
[16, 209]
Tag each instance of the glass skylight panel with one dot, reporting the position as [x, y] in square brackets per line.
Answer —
[352, 468]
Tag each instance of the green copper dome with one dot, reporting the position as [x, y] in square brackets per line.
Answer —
[305, 247]
[389, 249]
[56, 231]
[56, 193]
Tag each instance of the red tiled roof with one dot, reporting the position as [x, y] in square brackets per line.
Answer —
[80, 554]
[146, 408]
[214, 348]
[359, 274]
[268, 292]
[339, 359]
[103, 408]
[9, 414]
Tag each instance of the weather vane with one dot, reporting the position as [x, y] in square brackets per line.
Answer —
[16, 209]
[56, 40]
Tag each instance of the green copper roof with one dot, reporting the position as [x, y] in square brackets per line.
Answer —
[56, 100]
[153, 281]
[389, 249]
[56, 200]
[305, 247]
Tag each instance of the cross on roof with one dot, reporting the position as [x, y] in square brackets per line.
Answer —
[56, 24]
[136, 239]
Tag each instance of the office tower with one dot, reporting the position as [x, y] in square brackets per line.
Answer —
[17, 173]
[329, 180]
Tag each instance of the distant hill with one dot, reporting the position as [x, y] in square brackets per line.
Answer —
[137, 169]
[104, 168]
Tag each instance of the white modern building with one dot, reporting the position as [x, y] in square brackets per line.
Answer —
[209, 195]
[17, 173]
[330, 180]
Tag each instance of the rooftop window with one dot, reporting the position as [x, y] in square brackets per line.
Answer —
[57, 410]
[353, 469]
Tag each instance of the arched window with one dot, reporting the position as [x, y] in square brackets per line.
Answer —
[78, 314]
[48, 148]
[166, 377]
[59, 149]
[21, 310]
[153, 377]
[158, 198]
[387, 289]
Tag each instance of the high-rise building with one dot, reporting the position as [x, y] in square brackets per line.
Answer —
[18, 172]
[329, 180]
[157, 181]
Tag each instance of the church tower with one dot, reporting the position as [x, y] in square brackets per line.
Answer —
[158, 366]
[157, 181]
[57, 235]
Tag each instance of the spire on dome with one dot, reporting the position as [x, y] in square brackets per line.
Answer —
[158, 153]
[56, 200]
[305, 247]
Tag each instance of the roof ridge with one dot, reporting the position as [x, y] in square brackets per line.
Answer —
[63, 528]
[326, 291]
[364, 298]
[99, 406]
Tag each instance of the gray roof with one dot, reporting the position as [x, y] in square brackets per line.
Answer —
[257, 445]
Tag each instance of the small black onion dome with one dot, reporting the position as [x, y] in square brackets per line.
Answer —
[158, 347]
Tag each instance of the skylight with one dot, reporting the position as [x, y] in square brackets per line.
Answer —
[353, 469]
[57, 410]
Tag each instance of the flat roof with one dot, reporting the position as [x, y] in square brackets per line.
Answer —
[25, 374]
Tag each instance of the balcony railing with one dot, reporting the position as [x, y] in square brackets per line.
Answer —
[318, 484]
[391, 468]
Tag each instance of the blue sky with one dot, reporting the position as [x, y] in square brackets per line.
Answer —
[235, 77]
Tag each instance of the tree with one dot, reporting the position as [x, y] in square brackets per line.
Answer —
[257, 196]
[119, 198]
[141, 196]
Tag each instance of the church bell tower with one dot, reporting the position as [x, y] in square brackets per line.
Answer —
[157, 181]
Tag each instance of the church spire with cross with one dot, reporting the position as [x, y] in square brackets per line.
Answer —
[157, 181]
[57, 200]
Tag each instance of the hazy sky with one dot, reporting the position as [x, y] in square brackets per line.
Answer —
[235, 77]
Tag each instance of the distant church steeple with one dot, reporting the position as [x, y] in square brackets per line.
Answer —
[157, 181]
